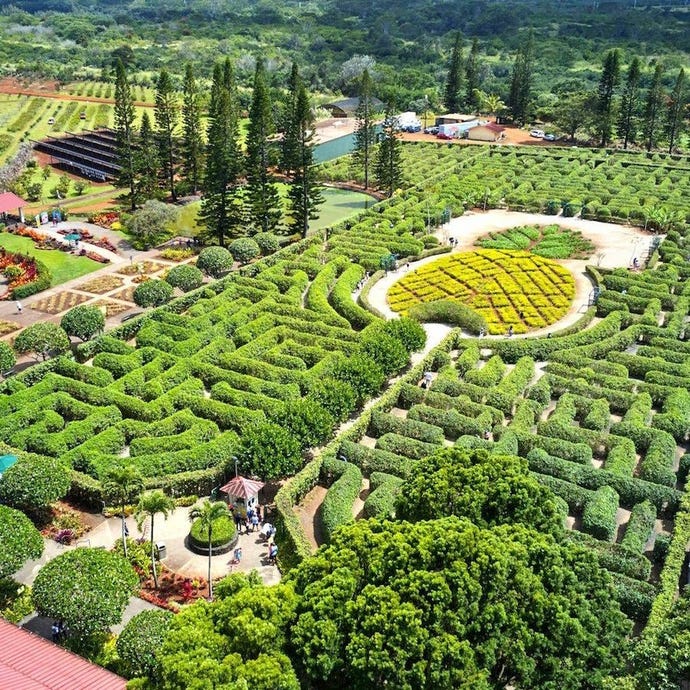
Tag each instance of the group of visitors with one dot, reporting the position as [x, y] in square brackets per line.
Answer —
[58, 631]
[251, 522]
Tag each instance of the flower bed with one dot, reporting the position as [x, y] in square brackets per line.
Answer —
[26, 275]
[551, 241]
[105, 219]
[506, 288]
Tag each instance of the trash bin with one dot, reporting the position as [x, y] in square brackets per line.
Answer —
[161, 550]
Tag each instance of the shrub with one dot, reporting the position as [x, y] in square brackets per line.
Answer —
[307, 421]
[19, 541]
[83, 322]
[185, 277]
[222, 533]
[105, 578]
[34, 482]
[408, 332]
[269, 451]
[152, 293]
[267, 241]
[214, 261]
[363, 375]
[599, 515]
[43, 339]
[338, 398]
[141, 639]
[384, 490]
[337, 504]
[244, 249]
[450, 312]
[388, 352]
[7, 358]
[640, 526]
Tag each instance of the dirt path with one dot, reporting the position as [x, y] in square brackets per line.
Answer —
[309, 514]
[615, 246]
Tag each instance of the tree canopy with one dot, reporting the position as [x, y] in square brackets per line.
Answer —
[86, 588]
[19, 541]
[34, 481]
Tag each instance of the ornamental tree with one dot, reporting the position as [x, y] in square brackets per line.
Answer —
[20, 541]
[141, 640]
[83, 322]
[446, 604]
[410, 333]
[86, 588]
[34, 482]
[267, 241]
[488, 489]
[151, 224]
[152, 293]
[185, 277]
[269, 451]
[214, 261]
[244, 249]
[362, 373]
[387, 351]
[43, 339]
[338, 398]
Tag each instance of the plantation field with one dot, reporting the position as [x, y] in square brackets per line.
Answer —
[62, 265]
[507, 288]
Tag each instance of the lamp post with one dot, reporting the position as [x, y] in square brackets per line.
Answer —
[426, 109]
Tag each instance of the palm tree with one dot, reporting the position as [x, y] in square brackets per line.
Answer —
[490, 103]
[122, 485]
[150, 503]
[207, 513]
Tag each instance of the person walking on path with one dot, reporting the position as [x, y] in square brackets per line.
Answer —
[19, 307]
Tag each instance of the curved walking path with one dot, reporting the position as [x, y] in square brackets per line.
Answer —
[616, 246]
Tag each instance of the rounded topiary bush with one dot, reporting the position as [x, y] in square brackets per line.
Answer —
[7, 358]
[141, 638]
[83, 322]
[152, 293]
[267, 241]
[214, 261]
[185, 277]
[244, 249]
[222, 534]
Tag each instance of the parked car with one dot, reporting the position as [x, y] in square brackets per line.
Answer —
[411, 128]
[443, 135]
[431, 130]
[550, 137]
[537, 133]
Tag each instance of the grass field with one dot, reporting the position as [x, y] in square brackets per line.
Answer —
[338, 205]
[63, 266]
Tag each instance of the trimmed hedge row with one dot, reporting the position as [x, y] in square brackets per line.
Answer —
[341, 298]
[382, 423]
[613, 557]
[371, 460]
[345, 482]
[384, 490]
[599, 515]
[631, 490]
[639, 527]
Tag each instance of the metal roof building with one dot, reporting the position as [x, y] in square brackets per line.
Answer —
[28, 662]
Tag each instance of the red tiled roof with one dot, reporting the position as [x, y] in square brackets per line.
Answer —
[492, 126]
[242, 487]
[10, 202]
[28, 662]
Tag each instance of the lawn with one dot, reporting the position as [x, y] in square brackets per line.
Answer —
[338, 205]
[63, 266]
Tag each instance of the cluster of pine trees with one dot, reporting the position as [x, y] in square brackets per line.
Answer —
[238, 184]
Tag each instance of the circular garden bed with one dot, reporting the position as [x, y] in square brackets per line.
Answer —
[223, 536]
[506, 288]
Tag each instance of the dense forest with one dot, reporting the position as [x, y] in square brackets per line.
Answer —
[405, 46]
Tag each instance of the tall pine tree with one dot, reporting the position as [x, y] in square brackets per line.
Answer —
[365, 131]
[219, 206]
[653, 109]
[521, 82]
[192, 141]
[305, 192]
[675, 116]
[264, 208]
[124, 131]
[166, 116]
[146, 161]
[289, 147]
[630, 104]
[388, 161]
[453, 91]
[472, 81]
[606, 92]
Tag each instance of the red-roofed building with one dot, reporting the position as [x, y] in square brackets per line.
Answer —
[488, 132]
[28, 662]
[243, 490]
[11, 203]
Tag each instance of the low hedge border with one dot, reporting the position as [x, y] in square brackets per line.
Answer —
[345, 480]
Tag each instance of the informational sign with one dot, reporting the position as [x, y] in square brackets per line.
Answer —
[38, 220]
[44, 217]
